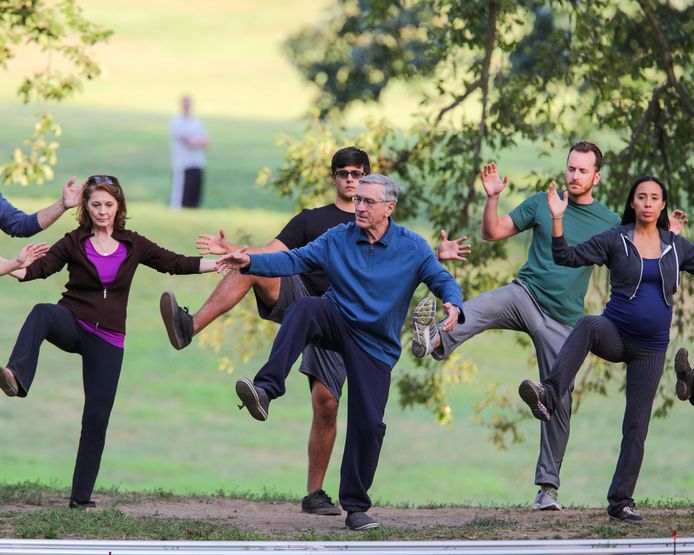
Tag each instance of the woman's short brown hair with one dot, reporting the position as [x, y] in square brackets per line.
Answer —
[110, 185]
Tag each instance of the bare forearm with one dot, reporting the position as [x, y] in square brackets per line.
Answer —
[207, 265]
[557, 226]
[50, 214]
[490, 218]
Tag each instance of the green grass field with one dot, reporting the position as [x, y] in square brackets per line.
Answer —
[175, 425]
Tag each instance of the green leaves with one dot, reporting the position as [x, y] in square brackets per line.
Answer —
[66, 38]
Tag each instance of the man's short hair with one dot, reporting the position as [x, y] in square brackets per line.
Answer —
[390, 188]
[350, 156]
[585, 146]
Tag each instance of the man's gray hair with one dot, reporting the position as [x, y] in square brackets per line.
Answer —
[390, 188]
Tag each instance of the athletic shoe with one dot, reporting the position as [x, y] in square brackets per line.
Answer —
[360, 521]
[319, 503]
[547, 500]
[628, 515]
[685, 375]
[8, 383]
[424, 329]
[534, 396]
[178, 323]
[254, 398]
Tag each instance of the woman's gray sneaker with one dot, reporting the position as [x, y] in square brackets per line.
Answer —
[254, 398]
[360, 521]
[319, 503]
[628, 515]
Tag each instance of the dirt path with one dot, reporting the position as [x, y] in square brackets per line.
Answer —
[286, 519]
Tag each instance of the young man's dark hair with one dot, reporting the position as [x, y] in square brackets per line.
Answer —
[350, 156]
[585, 146]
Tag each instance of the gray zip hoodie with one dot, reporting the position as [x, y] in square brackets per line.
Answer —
[615, 249]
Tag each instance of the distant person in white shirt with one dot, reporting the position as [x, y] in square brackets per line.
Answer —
[188, 143]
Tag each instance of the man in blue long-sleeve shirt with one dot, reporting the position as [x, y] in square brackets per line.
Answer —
[16, 223]
[374, 267]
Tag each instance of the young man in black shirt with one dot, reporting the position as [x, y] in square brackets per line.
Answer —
[325, 369]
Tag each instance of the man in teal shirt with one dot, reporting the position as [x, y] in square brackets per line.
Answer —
[374, 267]
[545, 300]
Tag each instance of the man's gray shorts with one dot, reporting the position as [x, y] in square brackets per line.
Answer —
[325, 366]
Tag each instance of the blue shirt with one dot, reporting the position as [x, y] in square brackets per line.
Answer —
[15, 222]
[371, 284]
[644, 319]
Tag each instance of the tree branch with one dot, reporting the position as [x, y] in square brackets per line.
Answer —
[458, 100]
[666, 54]
[627, 151]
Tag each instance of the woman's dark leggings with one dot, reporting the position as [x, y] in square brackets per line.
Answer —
[101, 364]
[601, 337]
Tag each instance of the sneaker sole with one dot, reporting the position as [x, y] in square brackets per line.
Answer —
[8, 383]
[532, 399]
[626, 522]
[422, 317]
[168, 308]
[249, 397]
[368, 526]
[552, 507]
[325, 511]
[685, 375]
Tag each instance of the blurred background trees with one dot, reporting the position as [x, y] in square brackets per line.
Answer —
[489, 75]
[65, 39]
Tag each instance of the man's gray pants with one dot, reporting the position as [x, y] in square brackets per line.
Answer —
[513, 308]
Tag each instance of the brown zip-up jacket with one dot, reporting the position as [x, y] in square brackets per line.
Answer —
[85, 295]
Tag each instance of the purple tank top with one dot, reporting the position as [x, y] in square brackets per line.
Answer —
[107, 267]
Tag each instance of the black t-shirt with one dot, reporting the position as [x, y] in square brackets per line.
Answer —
[307, 225]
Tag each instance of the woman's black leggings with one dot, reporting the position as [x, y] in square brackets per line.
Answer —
[101, 365]
[601, 337]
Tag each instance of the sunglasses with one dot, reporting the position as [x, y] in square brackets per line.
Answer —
[343, 174]
[97, 179]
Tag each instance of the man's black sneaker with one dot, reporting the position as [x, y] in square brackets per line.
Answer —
[628, 515]
[254, 398]
[177, 321]
[360, 521]
[685, 375]
[319, 503]
[534, 396]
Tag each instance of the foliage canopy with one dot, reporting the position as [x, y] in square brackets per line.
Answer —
[492, 74]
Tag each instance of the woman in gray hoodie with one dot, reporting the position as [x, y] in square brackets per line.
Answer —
[644, 258]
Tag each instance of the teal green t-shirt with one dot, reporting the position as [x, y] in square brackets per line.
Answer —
[558, 290]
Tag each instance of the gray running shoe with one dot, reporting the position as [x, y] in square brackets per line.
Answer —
[360, 521]
[424, 329]
[534, 396]
[319, 503]
[177, 321]
[8, 383]
[628, 515]
[547, 500]
[685, 375]
[254, 398]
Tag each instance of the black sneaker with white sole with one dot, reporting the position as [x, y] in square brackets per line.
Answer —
[360, 521]
[254, 398]
[534, 396]
[685, 375]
